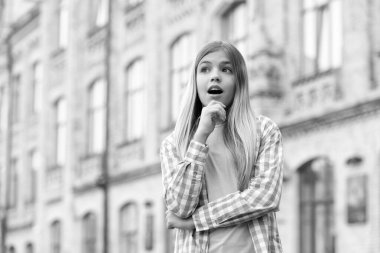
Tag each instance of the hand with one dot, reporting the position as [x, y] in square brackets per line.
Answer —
[173, 221]
[211, 114]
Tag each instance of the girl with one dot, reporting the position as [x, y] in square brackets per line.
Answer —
[222, 165]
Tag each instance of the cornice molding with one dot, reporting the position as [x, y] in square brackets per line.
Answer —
[340, 116]
[24, 22]
[128, 176]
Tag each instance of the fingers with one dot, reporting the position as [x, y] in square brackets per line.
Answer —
[212, 102]
[217, 111]
[169, 220]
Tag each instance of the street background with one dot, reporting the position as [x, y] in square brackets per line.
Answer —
[89, 89]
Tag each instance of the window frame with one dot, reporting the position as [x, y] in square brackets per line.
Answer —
[182, 45]
[55, 236]
[334, 40]
[62, 24]
[89, 232]
[16, 98]
[131, 132]
[96, 10]
[14, 187]
[36, 87]
[60, 127]
[229, 18]
[94, 112]
[129, 238]
[311, 200]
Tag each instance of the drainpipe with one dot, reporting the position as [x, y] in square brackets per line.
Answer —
[103, 182]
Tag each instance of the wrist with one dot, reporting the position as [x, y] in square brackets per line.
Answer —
[200, 137]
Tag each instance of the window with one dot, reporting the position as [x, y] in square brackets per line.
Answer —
[89, 233]
[134, 99]
[182, 54]
[29, 248]
[129, 229]
[322, 35]
[2, 109]
[63, 24]
[16, 101]
[32, 179]
[316, 207]
[96, 117]
[13, 188]
[36, 88]
[236, 22]
[60, 131]
[98, 13]
[149, 229]
[55, 237]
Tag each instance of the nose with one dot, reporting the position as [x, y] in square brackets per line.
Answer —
[215, 77]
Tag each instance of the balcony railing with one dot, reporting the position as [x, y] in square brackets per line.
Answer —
[54, 183]
[88, 171]
[317, 93]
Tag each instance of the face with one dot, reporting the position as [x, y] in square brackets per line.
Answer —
[216, 79]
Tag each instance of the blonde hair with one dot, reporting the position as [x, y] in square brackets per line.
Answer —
[240, 131]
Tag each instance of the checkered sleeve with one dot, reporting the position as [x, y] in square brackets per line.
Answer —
[261, 197]
[182, 177]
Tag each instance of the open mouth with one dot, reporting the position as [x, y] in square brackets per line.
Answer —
[215, 90]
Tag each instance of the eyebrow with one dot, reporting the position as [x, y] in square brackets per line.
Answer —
[223, 62]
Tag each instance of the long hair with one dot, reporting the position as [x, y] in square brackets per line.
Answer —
[240, 131]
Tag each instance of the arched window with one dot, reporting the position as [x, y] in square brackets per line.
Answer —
[55, 237]
[96, 117]
[11, 249]
[29, 248]
[182, 55]
[129, 223]
[134, 101]
[316, 207]
[236, 23]
[89, 233]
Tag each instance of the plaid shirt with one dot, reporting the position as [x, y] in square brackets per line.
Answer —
[186, 195]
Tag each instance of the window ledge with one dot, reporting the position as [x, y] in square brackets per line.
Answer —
[306, 79]
[130, 8]
[95, 30]
[131, 142]
[58, 52]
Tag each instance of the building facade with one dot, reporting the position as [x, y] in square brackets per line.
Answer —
[89, 89]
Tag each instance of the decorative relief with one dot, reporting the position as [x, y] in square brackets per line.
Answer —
[265, 75]
[54, 183]
[134, 17]
[128, 156]
[96, 41]
[19, 220]
[133, 22]
[319, 92]
[89, 170]
[58, 63]
[182, 10]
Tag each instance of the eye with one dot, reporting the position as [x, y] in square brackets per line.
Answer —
[204, 69]
[227, 69]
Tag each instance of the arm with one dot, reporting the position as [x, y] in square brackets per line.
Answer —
[182, 178]
[261, 197]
